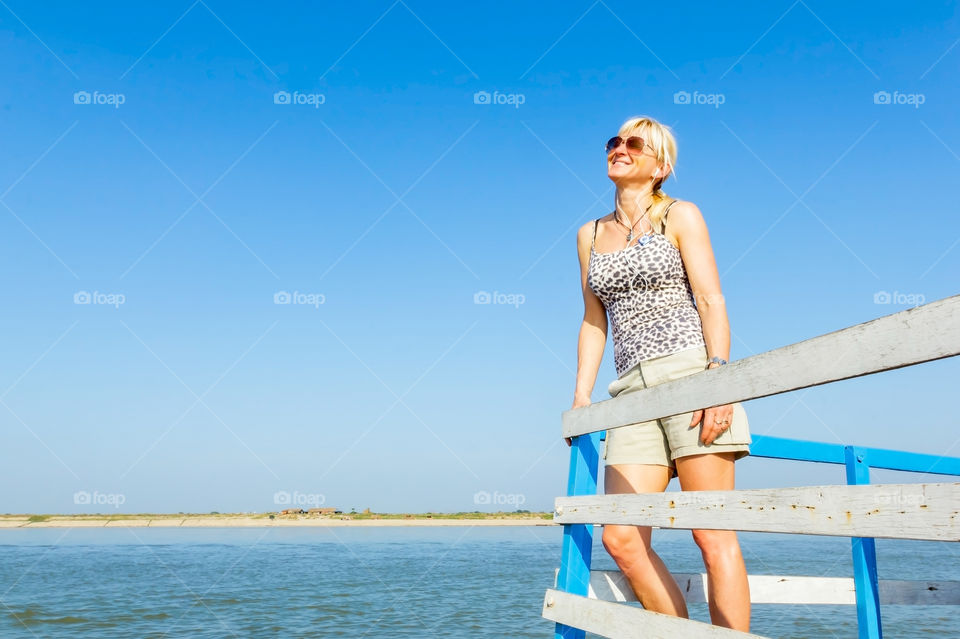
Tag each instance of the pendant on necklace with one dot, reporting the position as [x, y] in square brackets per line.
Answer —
[629, 236]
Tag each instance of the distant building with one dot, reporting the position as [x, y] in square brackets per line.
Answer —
[322, 511]
[293, 511]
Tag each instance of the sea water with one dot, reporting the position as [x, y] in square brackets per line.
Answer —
[458, 582]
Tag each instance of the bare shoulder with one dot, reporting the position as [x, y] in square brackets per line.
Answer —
[586, 231]
[683, 212]
[683, 219]
[585, 234]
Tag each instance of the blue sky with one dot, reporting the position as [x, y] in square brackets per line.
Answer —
[182, 166]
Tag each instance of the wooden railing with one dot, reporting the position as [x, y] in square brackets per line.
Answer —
[585, 600]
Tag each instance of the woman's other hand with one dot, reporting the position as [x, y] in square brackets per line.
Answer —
[578, 402]
[710, 416]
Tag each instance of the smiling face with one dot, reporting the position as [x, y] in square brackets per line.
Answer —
[634, 167]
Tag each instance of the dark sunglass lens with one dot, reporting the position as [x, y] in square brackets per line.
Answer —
[613, 143]
[635, 143]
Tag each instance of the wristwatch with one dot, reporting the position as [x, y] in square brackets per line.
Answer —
[718, 360]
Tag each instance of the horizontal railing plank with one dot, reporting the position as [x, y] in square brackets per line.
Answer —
[612, 585]
[620, 620]
[912, 336]
[893, 511]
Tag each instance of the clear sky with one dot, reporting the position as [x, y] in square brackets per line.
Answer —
[181, 168]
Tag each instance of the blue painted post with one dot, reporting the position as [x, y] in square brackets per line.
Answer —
[574, 575]
[864, 555]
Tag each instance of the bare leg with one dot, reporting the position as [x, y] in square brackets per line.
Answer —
[729, 591]
[652, 583]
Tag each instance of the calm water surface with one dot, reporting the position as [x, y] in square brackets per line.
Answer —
[387, 582]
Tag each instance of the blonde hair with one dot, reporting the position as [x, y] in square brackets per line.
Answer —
[660, 137]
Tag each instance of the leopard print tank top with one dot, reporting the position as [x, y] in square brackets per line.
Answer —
[647, 295]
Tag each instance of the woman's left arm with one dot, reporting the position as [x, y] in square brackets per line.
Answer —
[690, 229]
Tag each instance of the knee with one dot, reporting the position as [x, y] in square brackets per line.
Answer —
[717, 545]
[624, 541]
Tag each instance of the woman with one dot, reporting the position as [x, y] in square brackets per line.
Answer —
[645, 264]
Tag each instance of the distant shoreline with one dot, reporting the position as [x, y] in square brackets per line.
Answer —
[20, 522]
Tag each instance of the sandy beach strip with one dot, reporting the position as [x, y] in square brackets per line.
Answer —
[251, 522]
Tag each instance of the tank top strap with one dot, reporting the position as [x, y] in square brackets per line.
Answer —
[593, 241]
[667, 210]
[663, 220]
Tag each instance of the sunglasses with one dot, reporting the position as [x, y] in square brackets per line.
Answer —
[634, 144]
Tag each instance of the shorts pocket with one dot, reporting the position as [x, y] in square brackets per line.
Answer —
[616, 386]
[629, 380]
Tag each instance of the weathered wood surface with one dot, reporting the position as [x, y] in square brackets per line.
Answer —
[916, 335]
[892, 511]
[611, 585]
[625, 621]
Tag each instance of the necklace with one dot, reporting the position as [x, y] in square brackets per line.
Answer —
[645, 237]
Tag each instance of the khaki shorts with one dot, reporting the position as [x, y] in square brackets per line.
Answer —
[660, 441]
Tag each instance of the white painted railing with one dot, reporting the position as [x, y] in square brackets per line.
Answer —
[594, 601]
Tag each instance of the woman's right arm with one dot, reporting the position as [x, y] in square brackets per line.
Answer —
[593, 330]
